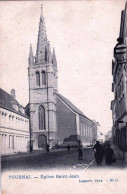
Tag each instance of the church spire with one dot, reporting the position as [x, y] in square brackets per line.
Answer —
[41, 10]
[54, 61]
[49, 52]
[31, 58]
[42, 41]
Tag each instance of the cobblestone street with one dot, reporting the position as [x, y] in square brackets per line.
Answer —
[38, 160]
[55, 159]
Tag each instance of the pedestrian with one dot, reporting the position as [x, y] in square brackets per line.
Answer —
[47, 148]
[98, 153]
[80, 152]
[109, 155]
[104, 149]
[68, 148]
[42, 146]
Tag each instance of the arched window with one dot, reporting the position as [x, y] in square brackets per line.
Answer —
[41, 118]
[37, 78]
[43, 78]
[45, 54]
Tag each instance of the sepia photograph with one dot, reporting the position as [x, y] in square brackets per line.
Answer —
[63, 97]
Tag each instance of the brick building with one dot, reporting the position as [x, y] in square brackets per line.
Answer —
[119, 87]
[53, 118]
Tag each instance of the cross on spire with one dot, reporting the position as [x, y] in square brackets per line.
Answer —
[41, 10]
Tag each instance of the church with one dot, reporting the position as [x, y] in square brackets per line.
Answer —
[49, 117]
[53, 118]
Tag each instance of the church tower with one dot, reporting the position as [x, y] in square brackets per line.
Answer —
[42, 72]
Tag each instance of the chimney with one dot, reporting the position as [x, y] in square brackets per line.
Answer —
[13, 93]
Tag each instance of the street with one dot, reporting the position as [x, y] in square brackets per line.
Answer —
[55, 159]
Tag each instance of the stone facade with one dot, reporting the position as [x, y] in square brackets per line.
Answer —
[42, 73]
[14, 126]
[119, 87]
[53, 118]
[86, 131]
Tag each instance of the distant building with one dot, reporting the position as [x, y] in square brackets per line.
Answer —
[53, 118]
[100, 136]
[119, 87]
[14, 125]
[95, 131]
[108, 137]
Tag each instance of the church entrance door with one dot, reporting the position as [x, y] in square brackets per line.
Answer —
[42, 141]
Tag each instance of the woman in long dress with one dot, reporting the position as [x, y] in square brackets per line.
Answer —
[109, 155]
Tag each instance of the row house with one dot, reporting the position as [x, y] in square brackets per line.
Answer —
[119, 88]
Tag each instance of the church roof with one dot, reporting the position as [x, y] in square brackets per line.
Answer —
[66, 101]
[7, 102]
[72, 106]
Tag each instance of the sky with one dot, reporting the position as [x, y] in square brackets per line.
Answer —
[83, 33]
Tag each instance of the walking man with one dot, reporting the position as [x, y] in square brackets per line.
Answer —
[80, 152]
[68, 148]
[47, 148]
[98, 153]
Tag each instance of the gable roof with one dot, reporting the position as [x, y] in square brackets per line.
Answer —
[72, 106]
[66, 101]
[6, 101]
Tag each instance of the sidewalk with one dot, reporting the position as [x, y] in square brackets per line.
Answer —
[119, 158]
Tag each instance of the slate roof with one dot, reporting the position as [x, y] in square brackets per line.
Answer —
[72, 106]
[6, 101]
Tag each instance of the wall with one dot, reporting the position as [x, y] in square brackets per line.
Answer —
[66, 121]
[14, 132]
[86, 131]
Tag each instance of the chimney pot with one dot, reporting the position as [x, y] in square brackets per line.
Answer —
[13, 93]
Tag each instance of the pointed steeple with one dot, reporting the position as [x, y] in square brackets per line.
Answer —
[42, 41]
[54, 61]
[31, 57]
[125, 22]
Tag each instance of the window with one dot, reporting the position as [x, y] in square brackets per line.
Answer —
[86, 130]
[3, 140]
[9, 141]
[45, 54]
[37, 78]
[41, 118]
[13, 141]
[43, 78]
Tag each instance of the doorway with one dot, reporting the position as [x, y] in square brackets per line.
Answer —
[42, 141]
